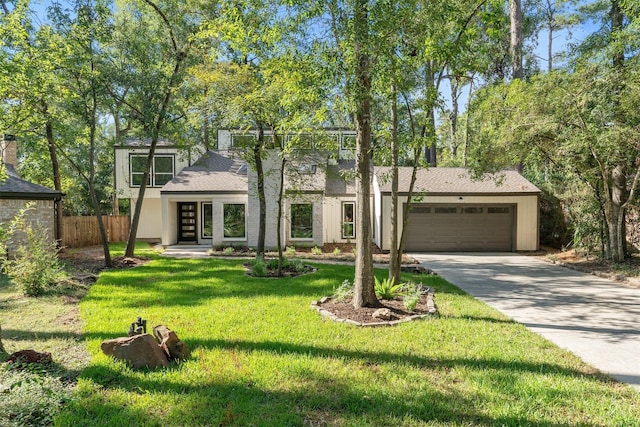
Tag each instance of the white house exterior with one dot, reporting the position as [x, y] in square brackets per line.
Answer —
[213, 200]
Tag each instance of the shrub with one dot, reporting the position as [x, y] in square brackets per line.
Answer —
[290, 251]
[35, 266]
[344, 291]
[316, 250]
[259, 268]
[272, 264]
[336, 251]
[387, 289]
[298, 265]
[228, 250]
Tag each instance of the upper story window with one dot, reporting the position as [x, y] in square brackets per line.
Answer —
[302, 141]
[162, 169]
[242, 140]
[348, 142]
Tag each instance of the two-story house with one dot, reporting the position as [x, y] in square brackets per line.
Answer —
[210, 198]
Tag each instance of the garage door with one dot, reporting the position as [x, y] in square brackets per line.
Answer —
[481, 227]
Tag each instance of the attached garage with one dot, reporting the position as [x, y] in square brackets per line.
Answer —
[478, 227]
[452, 211]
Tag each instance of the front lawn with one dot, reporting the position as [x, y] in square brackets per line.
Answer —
[261, 356]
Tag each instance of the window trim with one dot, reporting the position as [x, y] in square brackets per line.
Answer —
[299, 239]
[244, 135]
[343, 147]
[352, 222]
[152, 174]
[235, 239]
[203, 218]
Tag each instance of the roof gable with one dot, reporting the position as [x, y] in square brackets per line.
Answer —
[14, 187]
[213, 172]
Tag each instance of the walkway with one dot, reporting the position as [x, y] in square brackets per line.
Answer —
[596, 319]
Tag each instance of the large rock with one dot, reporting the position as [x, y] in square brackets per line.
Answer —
[382, 314]
[170, 343]
[140, 351]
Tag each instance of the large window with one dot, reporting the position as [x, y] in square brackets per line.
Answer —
[162, 170]
[302, 221]
[234, 221]
[348, 223]
[207, 220]
[243, 140]
[348, 142]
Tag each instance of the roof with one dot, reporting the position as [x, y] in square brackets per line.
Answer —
[14, 187]
[213, 172]
[456, 181]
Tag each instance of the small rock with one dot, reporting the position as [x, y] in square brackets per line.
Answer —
[382, 314]
[170, 343]
[140, 351]
[29, 356]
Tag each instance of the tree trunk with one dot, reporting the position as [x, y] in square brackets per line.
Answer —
[280, 201]
[55, 166]
[430, 128]
[394, 264]
[364, 291]
[262, 214]
[617, 217]
[515, 16]
[453, 116]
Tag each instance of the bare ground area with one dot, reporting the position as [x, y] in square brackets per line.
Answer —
[83, 262]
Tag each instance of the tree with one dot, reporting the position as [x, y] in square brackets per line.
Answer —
[153, 73]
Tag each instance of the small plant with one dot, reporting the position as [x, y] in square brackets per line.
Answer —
[354, 251]
[316, 250]
[36, 266]
[298, 265]
[387, 289]
[412, 294]
[336, 251]
[228, 250]
[290, 251]
[344, 291]
[272, 264]
[259, 268]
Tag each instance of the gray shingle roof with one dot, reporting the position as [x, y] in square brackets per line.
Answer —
[143, 143]
[14, 187]
[456, 181]
[213, 172]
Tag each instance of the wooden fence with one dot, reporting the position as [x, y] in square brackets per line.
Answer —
[81, 231]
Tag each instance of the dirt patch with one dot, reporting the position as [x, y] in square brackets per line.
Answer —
[84, 264]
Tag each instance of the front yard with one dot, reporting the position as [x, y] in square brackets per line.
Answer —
[261, 356]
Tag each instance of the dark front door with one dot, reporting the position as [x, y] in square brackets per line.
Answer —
[187, 226]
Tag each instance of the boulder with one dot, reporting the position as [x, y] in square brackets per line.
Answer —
[139, 351]
[29, 356]
[382, 314]
[170, 343]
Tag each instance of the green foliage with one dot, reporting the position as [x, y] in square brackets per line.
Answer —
[411, 295]
[290, 251]
[35, 266]
[29, 397]
[229, 250]
[259, 268]
[316, 250]
[344, 291]
[387, 288]
[336, 251]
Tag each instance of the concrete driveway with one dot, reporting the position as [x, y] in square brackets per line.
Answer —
[596, 319]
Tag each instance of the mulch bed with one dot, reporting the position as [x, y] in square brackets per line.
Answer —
[287, 271]
[344, 310]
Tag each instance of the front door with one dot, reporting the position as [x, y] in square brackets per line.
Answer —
[187, 225]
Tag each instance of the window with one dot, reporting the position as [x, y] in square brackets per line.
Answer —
[303, 141]
[348, 222]
[498, 210]
[472, 210]
[207, 220]
[302, 221]
[451, 210]
[162, 170]
[348, 142]
[234, 221]
[242, 140]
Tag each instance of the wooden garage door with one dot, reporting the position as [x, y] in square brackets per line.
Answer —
[460, 228]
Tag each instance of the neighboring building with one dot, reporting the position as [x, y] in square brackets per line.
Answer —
[16, 193]
[213, 200]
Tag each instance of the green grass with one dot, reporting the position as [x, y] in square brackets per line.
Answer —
[262, 357]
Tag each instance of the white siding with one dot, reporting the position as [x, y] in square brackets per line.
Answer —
[150, 226]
